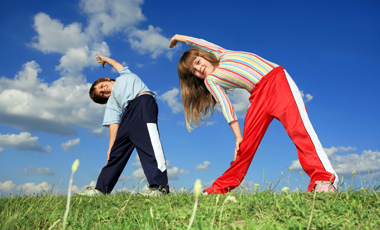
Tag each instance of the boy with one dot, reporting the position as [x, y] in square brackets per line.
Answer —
[131, 114]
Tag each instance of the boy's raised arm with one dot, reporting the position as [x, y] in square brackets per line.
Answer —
[111, 62]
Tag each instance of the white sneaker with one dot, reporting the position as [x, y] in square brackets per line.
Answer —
[204, 192]
[151, 192]
[90, 191]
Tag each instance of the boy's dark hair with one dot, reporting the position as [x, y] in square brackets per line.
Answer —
[96, 98]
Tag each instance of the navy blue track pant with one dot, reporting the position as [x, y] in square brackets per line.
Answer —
[138, 129]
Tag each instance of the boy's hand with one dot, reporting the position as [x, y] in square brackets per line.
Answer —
[101, 59]
[109, 61]
[108, 156]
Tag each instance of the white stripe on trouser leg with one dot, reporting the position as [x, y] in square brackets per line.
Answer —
[309, 128]
[157, 147]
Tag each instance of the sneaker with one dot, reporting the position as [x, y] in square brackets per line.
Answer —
[204, 192]
[90, 191]
[324, 186]
[151, 192]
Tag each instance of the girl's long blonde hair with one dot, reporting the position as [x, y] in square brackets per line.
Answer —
[198, 102]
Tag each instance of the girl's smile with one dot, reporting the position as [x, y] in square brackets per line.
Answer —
[201, 67]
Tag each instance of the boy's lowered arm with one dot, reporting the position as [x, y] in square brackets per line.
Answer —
[111, 62]
[113, 131]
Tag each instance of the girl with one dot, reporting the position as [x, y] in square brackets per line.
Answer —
[207, 71]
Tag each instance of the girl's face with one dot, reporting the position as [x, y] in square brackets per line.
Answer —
[103, 89]
[201, 68]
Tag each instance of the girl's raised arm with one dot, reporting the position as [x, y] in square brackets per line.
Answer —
[177, 38]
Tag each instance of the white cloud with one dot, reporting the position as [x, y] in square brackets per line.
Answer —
[368, 160]
[137, 161]
[210, 123]
[173, 172]
[1, 149]
[181, 123]
[99, 133]
[7, 186]
[29, 188]
[73, 62]
[53, 36]
[39, 171]
[329, 152]
[64, 106]
[171, 97]
[206, 165]
[151, 41]
[139, 65]
[70, 145]
[75, 189]
[25, 189]
[346, 149]
[295, 166]
[306, 97]
[23, 141]
[78, 48]
[124, 178]
[344, 165]
[240, 101]
[110, 16]
[25, 80]
[138, 175]
[208, 184]
[76, 59]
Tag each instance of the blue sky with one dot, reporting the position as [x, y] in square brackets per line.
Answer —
[330, 48]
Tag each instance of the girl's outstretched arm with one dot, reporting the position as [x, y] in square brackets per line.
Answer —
[239, 137]
[111, 62]
[177, 38]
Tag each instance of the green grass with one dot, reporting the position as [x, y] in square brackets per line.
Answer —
[348, 209]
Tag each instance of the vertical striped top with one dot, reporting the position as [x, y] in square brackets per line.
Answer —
[236, 70]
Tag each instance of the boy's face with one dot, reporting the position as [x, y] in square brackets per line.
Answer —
[103, 89]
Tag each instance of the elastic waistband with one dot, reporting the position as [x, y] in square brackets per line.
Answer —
[146, 93]
[271, 74]
[274, 71]
[139, 97]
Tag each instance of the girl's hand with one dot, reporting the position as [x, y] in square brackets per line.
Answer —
[177, 38]
[173, 42]
[239, 137]
[101, 59]
[237, 147]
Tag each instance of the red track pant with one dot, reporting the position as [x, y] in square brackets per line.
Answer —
[277, 96]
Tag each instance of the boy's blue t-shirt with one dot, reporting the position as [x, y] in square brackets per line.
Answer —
[125, 89]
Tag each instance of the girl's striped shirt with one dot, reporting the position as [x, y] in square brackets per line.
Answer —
[236, 70]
